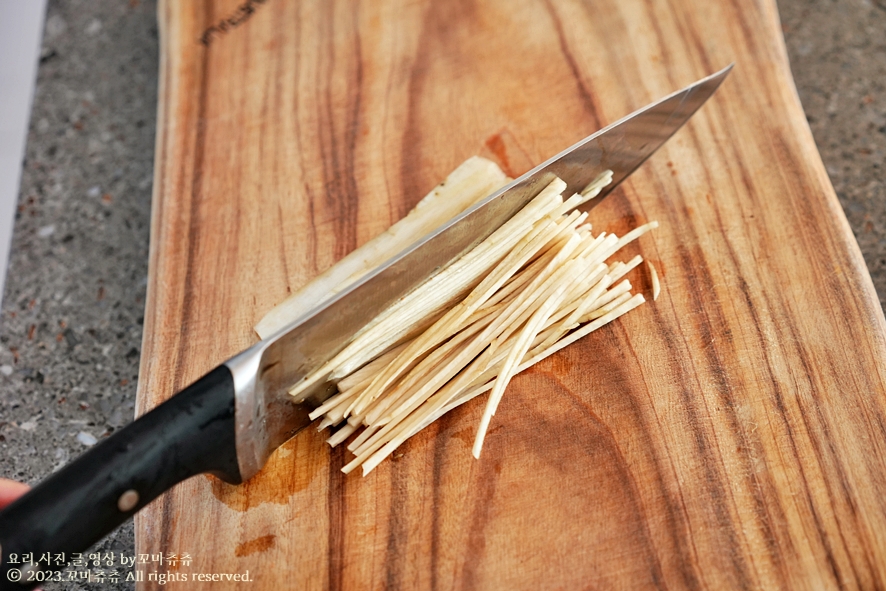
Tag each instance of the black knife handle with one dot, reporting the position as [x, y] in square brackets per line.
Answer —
[191, 433]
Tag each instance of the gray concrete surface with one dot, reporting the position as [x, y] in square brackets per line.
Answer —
[71, 321]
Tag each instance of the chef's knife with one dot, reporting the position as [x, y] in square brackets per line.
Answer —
[228, 422]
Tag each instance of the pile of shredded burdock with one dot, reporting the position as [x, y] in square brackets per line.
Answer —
[540, 282]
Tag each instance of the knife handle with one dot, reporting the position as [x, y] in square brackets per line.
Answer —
[191, 433]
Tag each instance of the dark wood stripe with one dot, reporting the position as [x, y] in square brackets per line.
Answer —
[440, 445]
[412, 134]
[192, 238]
[340, 199]
[336, 508]
[484, 478]
[396, 558]
[191, 241]
[585, 93]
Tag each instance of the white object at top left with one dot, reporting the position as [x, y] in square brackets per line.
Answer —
[21, 28]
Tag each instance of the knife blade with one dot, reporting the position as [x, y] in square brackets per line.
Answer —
[229, 422]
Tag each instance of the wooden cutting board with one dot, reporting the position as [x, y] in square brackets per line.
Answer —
[730, 435]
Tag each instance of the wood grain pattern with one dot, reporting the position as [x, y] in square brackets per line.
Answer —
[731, 435]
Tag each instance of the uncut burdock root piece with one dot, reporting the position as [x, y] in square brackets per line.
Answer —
[473, 180]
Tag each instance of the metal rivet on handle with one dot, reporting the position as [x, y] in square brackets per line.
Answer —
[127, 500]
